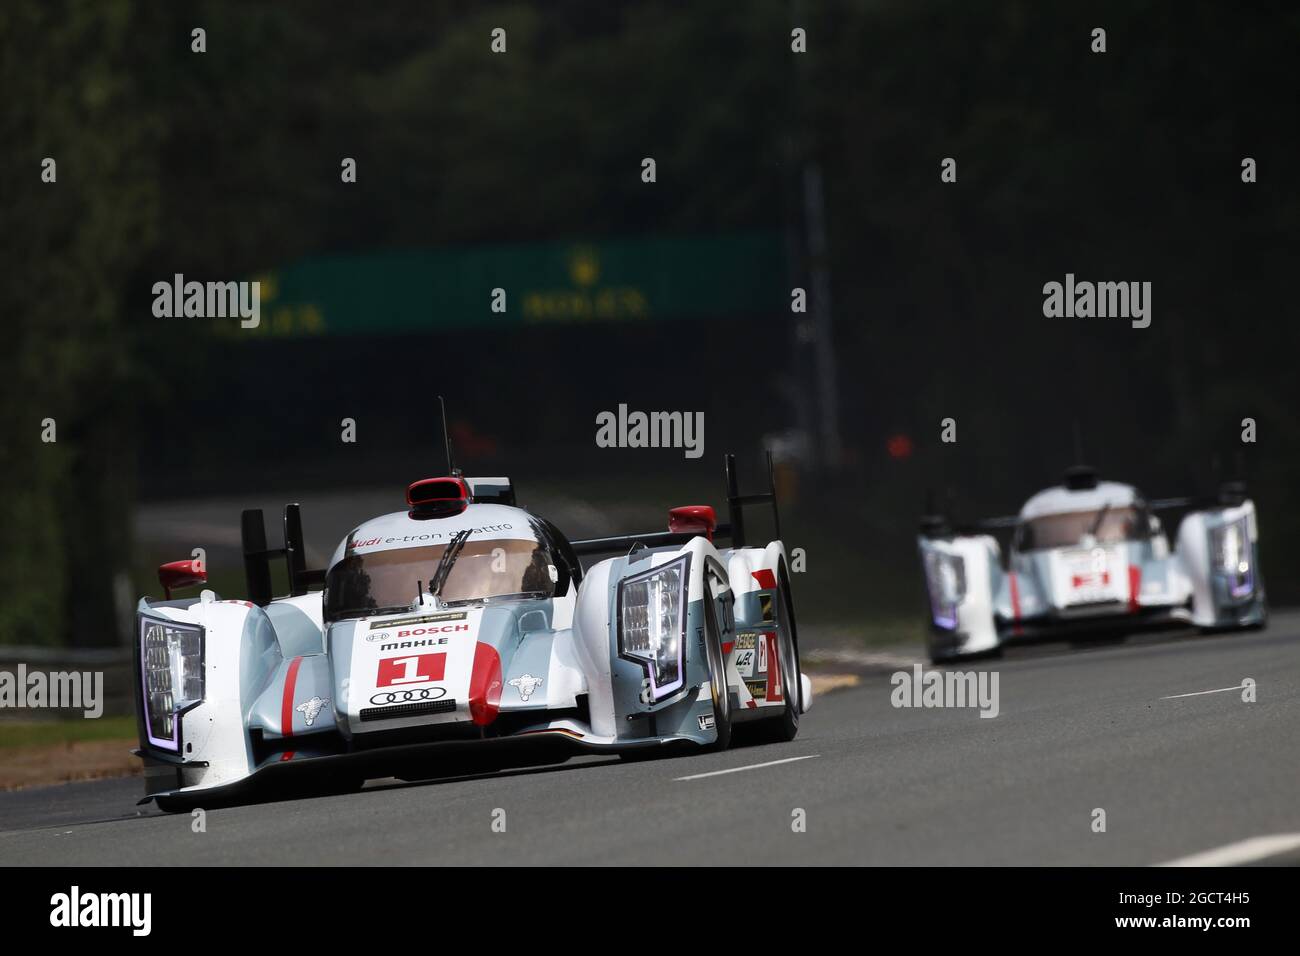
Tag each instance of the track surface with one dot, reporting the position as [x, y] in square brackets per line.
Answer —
[1078, 730]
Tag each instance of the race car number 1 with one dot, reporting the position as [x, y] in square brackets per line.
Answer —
[419, 669]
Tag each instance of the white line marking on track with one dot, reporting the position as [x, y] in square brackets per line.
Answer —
[752, 766]
[1199, 693]
[1243, 851]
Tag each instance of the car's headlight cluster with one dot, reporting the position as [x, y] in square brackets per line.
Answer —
[171, 674]
[651, 621]
[945, 576]
[1230, 551]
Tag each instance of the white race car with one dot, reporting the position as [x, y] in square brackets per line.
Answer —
[462, 631]
[1091, 556]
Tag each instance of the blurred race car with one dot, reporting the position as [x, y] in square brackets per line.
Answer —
[1091, 556]
[463, 632]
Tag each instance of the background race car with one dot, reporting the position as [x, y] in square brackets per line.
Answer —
[1091, 556]
[465, 628]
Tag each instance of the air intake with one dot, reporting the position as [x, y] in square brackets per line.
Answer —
[419, 709]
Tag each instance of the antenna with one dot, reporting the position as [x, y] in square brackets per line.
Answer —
[446, 440]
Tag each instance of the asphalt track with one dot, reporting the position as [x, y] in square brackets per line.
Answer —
[1078, 729]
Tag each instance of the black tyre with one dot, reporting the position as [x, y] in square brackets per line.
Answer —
[717, 675]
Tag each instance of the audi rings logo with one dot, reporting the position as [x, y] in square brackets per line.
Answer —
[408, 696]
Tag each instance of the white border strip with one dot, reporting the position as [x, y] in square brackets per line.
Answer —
[752, 766]
[1199, 693]
[1243, 851]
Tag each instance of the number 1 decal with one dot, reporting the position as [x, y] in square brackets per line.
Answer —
[420, 669]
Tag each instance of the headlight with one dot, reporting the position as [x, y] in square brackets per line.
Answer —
[171, 676]
[1230, 551]
[651, 619]
[945, 576]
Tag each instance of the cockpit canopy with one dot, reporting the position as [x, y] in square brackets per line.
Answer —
[1104, 526]
[487, 553]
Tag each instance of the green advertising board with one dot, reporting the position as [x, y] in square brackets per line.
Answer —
[618, 280]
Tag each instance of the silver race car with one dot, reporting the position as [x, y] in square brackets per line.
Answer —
[1091, 556]
[461, 633]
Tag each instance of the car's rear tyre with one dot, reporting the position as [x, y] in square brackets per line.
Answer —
[786, 727]
[718, 689]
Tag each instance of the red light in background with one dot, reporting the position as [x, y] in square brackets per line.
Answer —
[899, 447]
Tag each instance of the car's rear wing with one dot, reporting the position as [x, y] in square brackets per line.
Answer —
[733, 530]
[257, 556]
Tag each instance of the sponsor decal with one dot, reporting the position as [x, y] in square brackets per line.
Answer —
[705, 721]
[310, 709]
[745, 662]
[417, 669]
[423, 619]
[526, 684]
[408, 696]
[757, 689]
[765, 608]
[431, 537]
[446, 628]
[745, 642]
[775, 692]
[413, 645]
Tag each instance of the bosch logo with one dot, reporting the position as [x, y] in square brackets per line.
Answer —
[445, 629]
[408, 696]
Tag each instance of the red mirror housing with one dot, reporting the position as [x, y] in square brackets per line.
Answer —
[437, 497]
[693, 519]
[181, 574]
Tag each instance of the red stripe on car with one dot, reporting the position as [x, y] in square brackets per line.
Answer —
[765, 578]
[1015, 602]
[1134, 588]
[286, 707]
[774, 693]
[485, 685]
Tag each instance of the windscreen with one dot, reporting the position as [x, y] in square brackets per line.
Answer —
[387, 581]
[1107, 526]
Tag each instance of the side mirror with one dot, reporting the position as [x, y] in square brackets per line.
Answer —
[693, 519]
[181, 574]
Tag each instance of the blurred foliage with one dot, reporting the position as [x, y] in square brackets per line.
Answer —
[1116, 166]
[72, 77]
